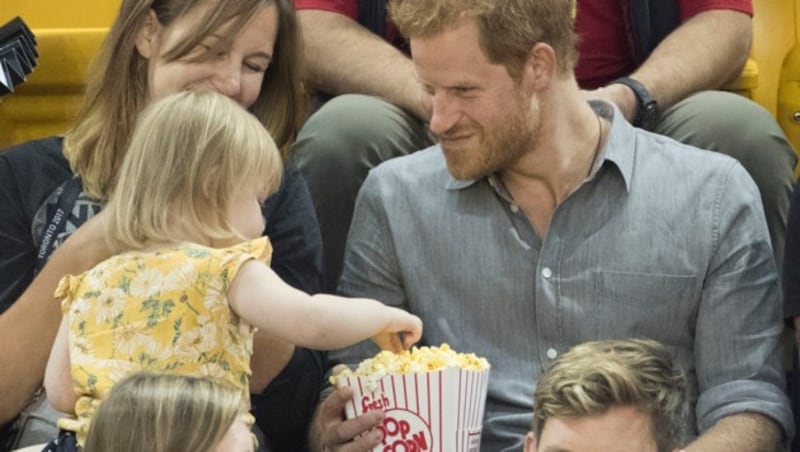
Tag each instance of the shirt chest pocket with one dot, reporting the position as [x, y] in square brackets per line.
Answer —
[659, 306]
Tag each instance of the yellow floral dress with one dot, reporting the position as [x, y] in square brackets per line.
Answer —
[157, 311]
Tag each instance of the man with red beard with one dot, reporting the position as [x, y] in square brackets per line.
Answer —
[542, 221]
[662, 62]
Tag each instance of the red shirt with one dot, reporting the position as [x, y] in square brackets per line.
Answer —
[350, 9]
[603, 43]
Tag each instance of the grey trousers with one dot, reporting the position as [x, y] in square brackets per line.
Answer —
[351, 134]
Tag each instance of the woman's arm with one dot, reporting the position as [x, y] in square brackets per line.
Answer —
[58, 375]
[28, 327]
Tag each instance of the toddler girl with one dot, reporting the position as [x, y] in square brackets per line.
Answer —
[191, 281]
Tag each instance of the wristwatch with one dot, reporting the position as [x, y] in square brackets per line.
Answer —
[647, 109]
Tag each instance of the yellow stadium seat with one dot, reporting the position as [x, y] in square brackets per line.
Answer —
[788, 104]
[48, 101]
[61, 14]
[772, 75]
[68, 34]
[747, 82]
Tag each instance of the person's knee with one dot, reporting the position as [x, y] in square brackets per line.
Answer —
[344, 133]
[731, 124]
[735, 126]
[757, 141]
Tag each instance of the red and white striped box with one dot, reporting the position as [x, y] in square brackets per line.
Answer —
[439, 411]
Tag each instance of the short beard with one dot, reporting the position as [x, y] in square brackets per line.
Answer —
[502, 143]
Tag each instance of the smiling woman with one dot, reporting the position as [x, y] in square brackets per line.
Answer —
[49, 188]
[234, 67]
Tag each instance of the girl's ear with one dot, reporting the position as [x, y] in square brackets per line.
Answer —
[147, 37]
[210, 185]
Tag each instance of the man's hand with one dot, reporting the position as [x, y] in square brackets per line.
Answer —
[330, 432]
[620, 95]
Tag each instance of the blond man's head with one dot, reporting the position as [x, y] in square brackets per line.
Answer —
[595, 377]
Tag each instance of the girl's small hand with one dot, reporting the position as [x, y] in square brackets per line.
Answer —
[402, 331]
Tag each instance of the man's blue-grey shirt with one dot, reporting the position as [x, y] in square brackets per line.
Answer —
[664, 241]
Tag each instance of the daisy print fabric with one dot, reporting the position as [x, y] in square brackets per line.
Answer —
[158, 311]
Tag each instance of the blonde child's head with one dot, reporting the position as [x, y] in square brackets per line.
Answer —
[190, 156]
[163, 413]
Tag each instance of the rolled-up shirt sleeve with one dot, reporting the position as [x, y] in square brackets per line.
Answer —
[739, 319]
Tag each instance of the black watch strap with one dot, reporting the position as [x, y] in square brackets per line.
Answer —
[647, 108]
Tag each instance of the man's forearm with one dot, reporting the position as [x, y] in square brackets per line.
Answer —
[746, 432]
[342, 57]
[705, 52]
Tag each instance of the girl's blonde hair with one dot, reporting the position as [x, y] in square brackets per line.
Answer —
[163, 413]
[117, 85]
[190, 155]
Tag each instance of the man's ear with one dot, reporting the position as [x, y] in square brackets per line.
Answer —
[530, 442]
[147, 36]
[541, 67]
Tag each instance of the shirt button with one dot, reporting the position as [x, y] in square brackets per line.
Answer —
[514, 208]
[552, 353]
[547, 273]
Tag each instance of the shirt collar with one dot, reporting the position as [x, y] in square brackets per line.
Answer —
[619, 148]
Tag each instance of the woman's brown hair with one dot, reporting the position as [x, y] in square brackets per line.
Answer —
[117, 84]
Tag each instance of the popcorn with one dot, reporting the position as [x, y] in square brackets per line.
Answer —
[433, 398]
[418, 359]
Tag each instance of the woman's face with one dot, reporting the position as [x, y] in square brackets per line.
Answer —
[237, 72]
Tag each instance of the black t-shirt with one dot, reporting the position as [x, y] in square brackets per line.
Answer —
[29, 173]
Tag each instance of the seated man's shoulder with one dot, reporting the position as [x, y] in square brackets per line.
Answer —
[418, 167]
[673, 161]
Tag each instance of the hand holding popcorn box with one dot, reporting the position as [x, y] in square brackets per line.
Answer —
[433, 398]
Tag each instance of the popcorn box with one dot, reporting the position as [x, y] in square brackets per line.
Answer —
[425, 411]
